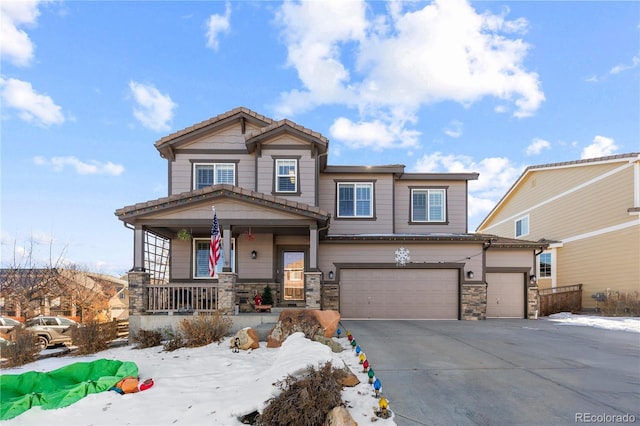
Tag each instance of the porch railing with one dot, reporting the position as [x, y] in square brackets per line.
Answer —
[182, 298]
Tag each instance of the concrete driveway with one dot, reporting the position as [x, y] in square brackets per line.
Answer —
[503, 372]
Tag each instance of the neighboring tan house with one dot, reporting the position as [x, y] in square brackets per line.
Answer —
[369, 241]
[589, 213]
[83, 296]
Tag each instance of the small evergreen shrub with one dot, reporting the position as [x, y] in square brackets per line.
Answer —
[94, 337]
[203, 330]
[267, 296]
[147, 338]
[306, 400]
[22, 349]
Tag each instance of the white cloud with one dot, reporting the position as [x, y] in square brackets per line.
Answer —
[635, 61]
[454, 129]
[602, 146]
[537, 145]
[16, 46]
[91, 167]
[496, 175]
[31, 106]
[373, 134]
[154, 110]
[388, 66]
[216, 25]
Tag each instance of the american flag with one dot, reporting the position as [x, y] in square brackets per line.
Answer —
[214, 246]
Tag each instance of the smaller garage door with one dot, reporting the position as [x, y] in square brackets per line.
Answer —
[505, 295]
[399, 293]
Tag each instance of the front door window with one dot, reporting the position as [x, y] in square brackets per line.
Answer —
[293, 275]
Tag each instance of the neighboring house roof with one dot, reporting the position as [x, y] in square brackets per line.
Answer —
[129, 213]
[167, 144]
[629, 157]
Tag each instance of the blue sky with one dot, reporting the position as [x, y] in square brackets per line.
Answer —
[86, 88]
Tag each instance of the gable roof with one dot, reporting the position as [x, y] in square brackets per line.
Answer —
[286, 126]
[630, 157]
[130, 213]
[167, 144]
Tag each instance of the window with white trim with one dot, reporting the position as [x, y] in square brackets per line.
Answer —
[522, 226]
[428, 205]
[286, 175]
[545, 265]
[355, 199]
[205, 175]
[201, 257]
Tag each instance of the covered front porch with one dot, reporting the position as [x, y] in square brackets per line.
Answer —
[265, 241]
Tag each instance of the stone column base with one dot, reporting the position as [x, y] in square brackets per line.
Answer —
[312, 289]
[473, 302]
[227, 293]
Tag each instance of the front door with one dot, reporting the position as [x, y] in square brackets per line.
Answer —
[293, 268]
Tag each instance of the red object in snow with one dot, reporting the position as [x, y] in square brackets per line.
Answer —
[146, 384]
[257, 300]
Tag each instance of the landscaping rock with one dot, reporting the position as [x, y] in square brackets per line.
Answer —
[339, 416]
[248, 339]
[311, 322]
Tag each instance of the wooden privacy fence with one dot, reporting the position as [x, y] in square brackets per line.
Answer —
[561, 299]
[182, 298]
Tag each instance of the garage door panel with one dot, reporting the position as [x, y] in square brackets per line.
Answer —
[415, 294]
[505, 295]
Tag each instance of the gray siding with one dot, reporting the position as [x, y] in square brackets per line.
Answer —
[382, 221]
[456, 207]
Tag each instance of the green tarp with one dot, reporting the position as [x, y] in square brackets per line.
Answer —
[61, 387]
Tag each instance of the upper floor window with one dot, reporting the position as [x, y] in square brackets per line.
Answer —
[545, 265]
[213, 174]
[201, 257]
[355, 199]
[522, 226]
[286, 175]
[428, 205]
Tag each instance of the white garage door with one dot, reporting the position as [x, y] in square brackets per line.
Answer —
[505, 295]
[399, 293]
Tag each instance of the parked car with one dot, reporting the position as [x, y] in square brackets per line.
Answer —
[8, 324]
[51, 330]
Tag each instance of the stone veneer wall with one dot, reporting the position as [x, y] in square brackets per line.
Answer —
[312, 289]
[533, 302]
[330, 297]
[245, 293]
[138, 292]
[474, 301]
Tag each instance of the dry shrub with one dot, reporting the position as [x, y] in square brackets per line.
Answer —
[203, 330]
[22, 349]
[306, 400]
[619, 303]
[173, 340]
[147, 338]
[94, 337]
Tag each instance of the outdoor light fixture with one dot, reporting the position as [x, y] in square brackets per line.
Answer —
[254, 254]
[533, 279]
[470, 274]
[330, 275]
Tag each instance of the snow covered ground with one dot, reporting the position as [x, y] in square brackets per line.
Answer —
[211, 385]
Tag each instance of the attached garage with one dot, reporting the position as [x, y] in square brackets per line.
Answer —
[505, 295]
[400, 293]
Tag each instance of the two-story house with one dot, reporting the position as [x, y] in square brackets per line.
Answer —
[589, 213]
[369, 241]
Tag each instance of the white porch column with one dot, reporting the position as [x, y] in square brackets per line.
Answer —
[138, 248]
[226, 245]
[313, 247]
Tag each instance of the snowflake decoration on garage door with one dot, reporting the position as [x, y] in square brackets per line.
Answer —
[402, 256]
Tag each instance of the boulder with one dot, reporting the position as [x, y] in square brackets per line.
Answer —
[311, 322]
[248, 339]
[339, 416]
